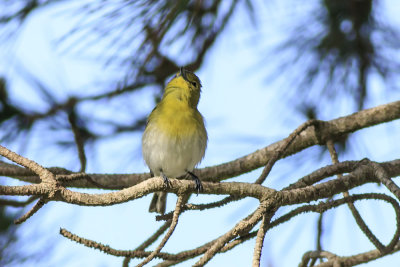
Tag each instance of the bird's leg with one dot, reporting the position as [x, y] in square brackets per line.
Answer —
[166, 180]
[199, 186]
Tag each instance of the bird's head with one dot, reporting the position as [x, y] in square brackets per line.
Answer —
[186, 86]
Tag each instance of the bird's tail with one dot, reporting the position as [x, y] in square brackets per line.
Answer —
[158, 202]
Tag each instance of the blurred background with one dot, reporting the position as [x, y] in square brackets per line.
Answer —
[78, 79]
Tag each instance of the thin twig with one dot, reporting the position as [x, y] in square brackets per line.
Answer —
[357, 259]
[79, 141]
[188, 254]
[200, 207]
[184, 255]
[267, 169]
[211, 205]
[178, 207]
[279, 152]
[259, 242]
[107, 249]
[384, 178]
[155, 236]
[44, 174]
[167, 263]
[319, 235]
[149, 241]
[357, 216]
[320, 231]
[324, 206]
[15, 203]
[32, 211]
[240, 228]
[314, 255]
[126, 261]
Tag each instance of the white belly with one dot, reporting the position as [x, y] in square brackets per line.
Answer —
[174, 156]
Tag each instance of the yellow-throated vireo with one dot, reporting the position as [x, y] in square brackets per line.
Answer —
[175, 138]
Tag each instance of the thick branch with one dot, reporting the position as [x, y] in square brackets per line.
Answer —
[363, 174]
[332, 129]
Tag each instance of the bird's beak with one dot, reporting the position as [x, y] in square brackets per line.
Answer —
[182, 72]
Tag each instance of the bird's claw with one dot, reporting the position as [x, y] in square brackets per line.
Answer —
[166, 180]
[199, 186]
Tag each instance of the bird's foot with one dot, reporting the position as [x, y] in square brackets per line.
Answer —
[166, 180]
[199, 186]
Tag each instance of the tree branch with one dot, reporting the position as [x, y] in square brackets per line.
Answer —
[14, 203]
[179, 203]
[32, 211]
[44, 174]
[51, 184]
[332, 129]
[259, 242]
[357, 216]
[155, 236]
[240, 228]
[358, 258]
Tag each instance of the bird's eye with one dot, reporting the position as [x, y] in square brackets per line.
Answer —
[194, 84]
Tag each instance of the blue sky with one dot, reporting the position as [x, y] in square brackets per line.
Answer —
[243, 112]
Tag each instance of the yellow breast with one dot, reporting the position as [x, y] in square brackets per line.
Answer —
[176, 118]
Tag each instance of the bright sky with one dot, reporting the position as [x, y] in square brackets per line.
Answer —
[243, 113]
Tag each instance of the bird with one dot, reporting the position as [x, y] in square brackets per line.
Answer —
[175, 137]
